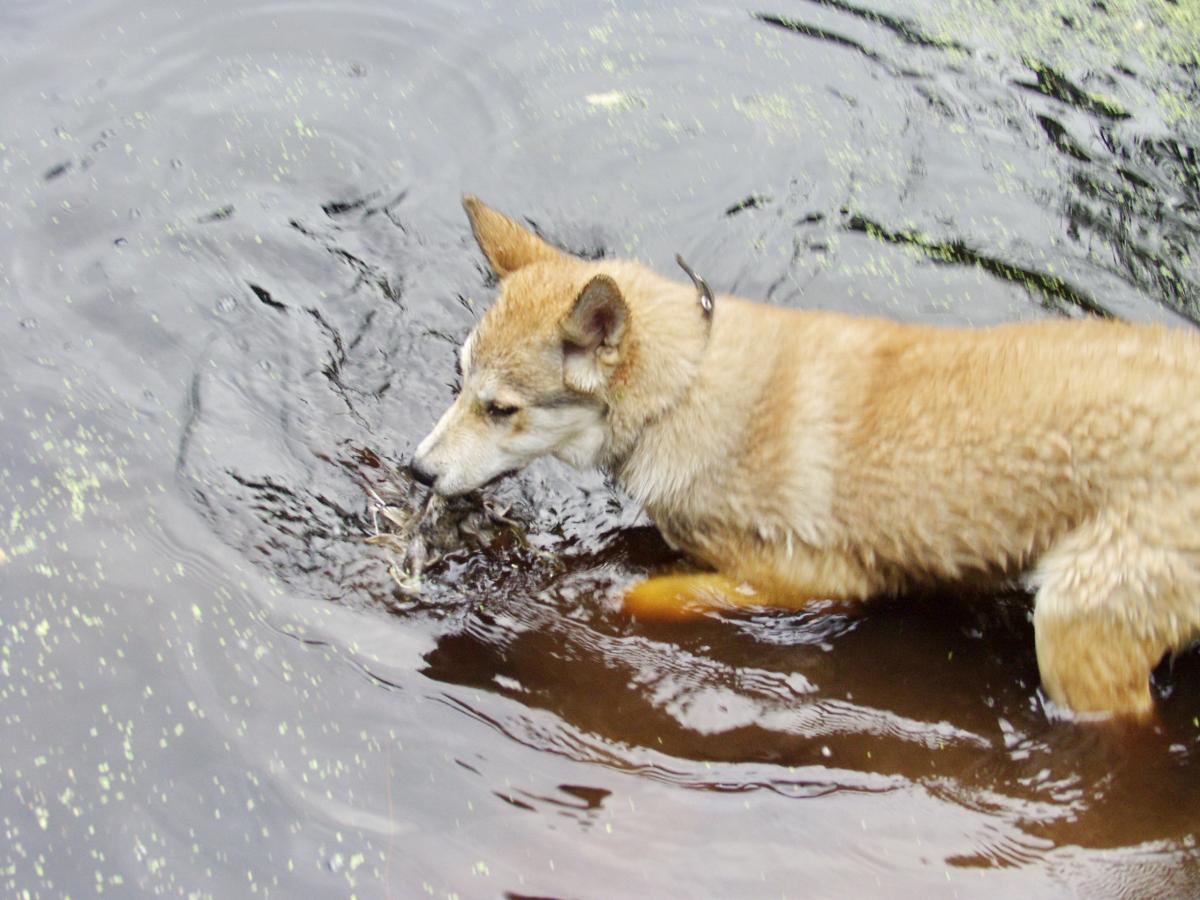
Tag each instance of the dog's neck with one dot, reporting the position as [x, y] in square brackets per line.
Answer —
[665, 349]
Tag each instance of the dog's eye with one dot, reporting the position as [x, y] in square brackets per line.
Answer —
[499, 410]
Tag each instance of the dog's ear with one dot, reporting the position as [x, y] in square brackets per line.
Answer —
[507, 245]
[592, 333]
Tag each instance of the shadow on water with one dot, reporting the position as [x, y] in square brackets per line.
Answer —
[235, 279]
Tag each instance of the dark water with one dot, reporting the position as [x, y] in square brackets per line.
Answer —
[233, 267]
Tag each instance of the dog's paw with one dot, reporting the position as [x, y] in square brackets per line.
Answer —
[678, 597]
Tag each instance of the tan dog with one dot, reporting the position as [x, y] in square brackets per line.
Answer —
[811, 454]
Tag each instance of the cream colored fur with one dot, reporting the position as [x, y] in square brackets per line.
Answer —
[813, 454]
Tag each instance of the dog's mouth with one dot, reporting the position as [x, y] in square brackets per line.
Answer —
[500, 476]
[477, 489]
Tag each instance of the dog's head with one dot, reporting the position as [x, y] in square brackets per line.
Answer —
[537, 368]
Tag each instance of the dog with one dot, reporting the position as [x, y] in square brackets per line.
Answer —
[809, 454]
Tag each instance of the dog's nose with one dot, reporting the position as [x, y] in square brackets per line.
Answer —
[422, 474]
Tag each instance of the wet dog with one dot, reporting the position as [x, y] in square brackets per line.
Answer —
[805, 454]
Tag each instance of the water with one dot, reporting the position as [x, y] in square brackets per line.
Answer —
[234, 267]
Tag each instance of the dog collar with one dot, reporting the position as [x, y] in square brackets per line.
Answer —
[702, 289]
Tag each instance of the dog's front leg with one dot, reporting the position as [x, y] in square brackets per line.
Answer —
[688, 595]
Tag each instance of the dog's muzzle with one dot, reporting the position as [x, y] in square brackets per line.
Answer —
[421, 474]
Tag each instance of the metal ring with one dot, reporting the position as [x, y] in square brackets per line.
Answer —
[706, 294]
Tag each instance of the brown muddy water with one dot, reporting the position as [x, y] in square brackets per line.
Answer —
[233, 271]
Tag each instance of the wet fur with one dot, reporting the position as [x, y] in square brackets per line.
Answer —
[813, 454]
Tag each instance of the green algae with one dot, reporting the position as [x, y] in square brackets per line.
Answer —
[1161, 39]
[1055, 294]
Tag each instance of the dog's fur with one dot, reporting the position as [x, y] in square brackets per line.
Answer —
[812, 454]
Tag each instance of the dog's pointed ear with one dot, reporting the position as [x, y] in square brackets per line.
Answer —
[592, 334]
[598, 317]
[507, 245]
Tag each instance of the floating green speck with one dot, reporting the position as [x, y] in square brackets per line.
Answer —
[610, 100]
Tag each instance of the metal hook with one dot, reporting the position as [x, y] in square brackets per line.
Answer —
[706, 294]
